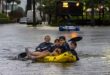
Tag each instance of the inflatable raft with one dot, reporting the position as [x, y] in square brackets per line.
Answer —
[62, 58]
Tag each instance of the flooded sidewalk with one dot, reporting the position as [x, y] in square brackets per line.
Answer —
[93, 50]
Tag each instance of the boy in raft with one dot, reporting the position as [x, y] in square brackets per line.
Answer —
[55, 48]
[73, 45]
[60, 46]
[64, 46]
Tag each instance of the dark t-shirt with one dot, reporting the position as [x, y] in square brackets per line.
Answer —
[44, 46]
[65, 48]
[74, 53]
[54, 47]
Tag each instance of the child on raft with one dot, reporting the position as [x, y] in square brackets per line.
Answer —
[61, 46]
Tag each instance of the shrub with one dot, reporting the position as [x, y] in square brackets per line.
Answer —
[4, 18]
[3, 15]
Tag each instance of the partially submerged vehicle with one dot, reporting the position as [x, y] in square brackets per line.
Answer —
[69, 28]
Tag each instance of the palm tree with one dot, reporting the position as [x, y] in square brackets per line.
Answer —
[1, 6]
[13, 1]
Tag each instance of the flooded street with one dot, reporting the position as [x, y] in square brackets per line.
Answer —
[93, 50]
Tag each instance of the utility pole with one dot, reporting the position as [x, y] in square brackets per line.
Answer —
[12, 6]
[34, 13]
[40, 7]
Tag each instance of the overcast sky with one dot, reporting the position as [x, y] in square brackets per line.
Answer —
[23, 4]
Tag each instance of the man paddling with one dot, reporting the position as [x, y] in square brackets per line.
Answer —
[73, 45]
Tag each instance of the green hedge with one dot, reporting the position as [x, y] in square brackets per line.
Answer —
[4, 18]
[3, 15]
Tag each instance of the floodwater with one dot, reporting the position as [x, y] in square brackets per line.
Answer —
[93, 50]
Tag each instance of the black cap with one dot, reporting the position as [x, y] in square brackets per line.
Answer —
[76, 39]
[62, 37]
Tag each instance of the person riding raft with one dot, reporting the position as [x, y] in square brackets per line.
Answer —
[64, 46]
[73, 45]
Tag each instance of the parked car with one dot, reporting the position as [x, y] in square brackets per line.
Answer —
[23, 20]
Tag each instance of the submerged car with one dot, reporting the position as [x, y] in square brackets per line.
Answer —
[69, 28]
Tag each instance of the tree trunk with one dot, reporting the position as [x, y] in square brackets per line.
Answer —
[34, 14]
[12, 8]
[29, 5]
[50, 17]
[2, 6]
[6, 8]
[92, 12]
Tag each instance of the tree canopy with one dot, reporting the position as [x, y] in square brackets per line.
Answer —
[17, 1]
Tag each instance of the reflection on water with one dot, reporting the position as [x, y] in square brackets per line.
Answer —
[93, 50]
[107, 55]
